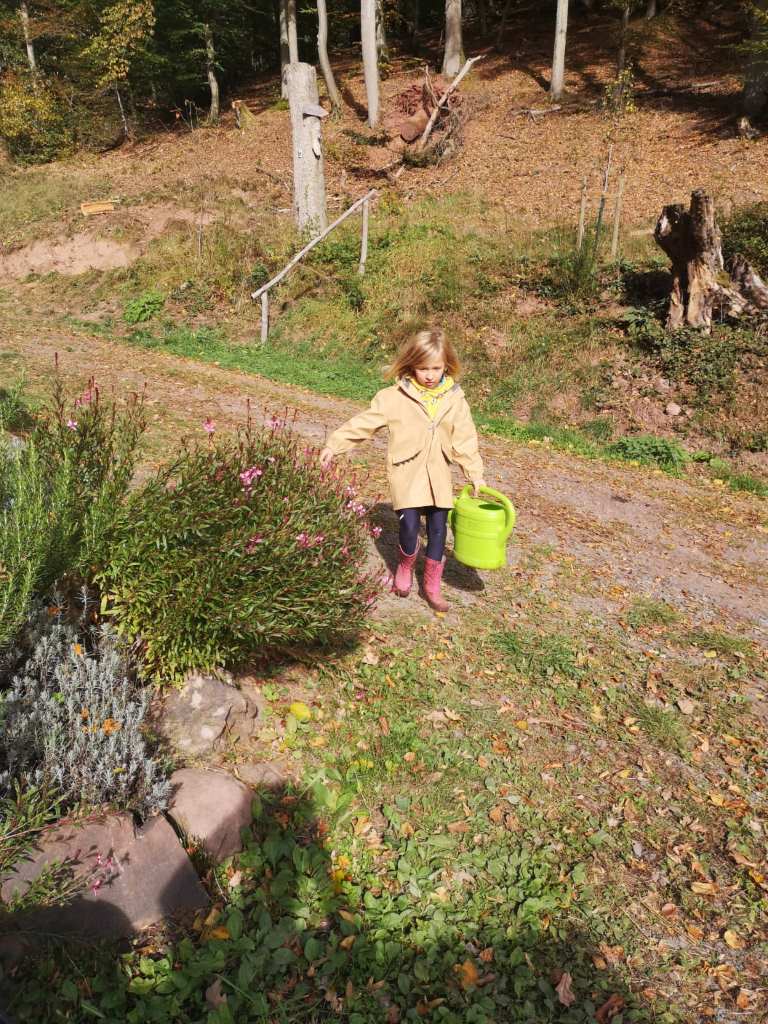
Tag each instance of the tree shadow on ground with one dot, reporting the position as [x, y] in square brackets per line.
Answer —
[456, 575]
[306, 933]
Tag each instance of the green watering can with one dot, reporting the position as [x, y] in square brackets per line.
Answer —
[481, 528]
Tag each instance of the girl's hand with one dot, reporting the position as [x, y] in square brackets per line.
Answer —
[326, 458]
[477, 484]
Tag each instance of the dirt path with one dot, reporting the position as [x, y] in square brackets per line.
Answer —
[598, 534]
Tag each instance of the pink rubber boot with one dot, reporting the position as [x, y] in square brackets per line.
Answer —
[433, 574]
[404, 574]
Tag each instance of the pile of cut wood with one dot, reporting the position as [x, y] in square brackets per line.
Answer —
[414, 105]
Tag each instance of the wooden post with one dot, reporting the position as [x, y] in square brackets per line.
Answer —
[364, 240]
[308, 170]
[264, 315]
[617, 219]
[603, 198]
[582, 215]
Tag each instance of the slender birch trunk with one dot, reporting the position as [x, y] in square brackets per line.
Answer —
[210, 67]
[453, 57]
[558, 57]
[370, 61]
[322, 55]
[24, 15]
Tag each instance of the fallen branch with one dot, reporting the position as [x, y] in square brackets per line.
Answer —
[440, 104]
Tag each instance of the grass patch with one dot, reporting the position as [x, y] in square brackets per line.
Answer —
[719, 641]
[646, 611]
[539, 656]
[649, 450]
[32, 196]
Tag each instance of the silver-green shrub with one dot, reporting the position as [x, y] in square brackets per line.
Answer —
[72, 721]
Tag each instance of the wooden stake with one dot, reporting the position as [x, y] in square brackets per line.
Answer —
[264, 315]
[582, 215]
[603, 197]
[310, 245]
[364, 240]
[617, 219]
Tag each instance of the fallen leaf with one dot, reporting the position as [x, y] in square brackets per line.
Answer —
[717, 798]
[521, 723]
[486, 955]
[613, 954]
[441, 894]
[733, 939]
[347, 916]
[214, 996]
[695, 932]
[384, 726]
[686, 706]
[370, 657]
[409, 756]
[669, 910]
[613, 1006]
[468, 974]
[739, 858]
[600, 963]
[710, 654]
[235, 879]
[744, 998]
[596, 714]
[300, 711]
[348, 942]
[482, 762]
[496, 814]
[451, 715]
[564, 990]
[222, 932]
[704, 888]
[458, 827]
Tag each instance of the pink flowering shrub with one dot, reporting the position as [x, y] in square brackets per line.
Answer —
[242, 546]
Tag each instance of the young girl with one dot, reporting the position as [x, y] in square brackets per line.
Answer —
[430, 427]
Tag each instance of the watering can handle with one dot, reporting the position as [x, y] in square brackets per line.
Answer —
[503, 500]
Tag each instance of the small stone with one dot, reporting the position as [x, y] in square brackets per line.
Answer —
[265, 774]
[206, 712]
[672, 409]
[211, 807]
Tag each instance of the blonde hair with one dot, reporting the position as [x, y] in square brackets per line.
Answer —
[421, 347]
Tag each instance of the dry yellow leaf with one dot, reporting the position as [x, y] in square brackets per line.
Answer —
[596, 714]
[733, 939]
[468, 974]
[669, 910]
[743, 999]
[496, 814]
[222, 932]
[482, 762]
[347, 916]
[458, 827]
[348, 942]
[717, 798]
[704, 888]
[695, 932]
[710, 654]
[521, 723]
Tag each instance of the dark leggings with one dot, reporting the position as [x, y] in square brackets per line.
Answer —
[437, 530]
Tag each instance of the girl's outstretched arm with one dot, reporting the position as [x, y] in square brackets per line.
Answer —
[352, 433]
[466, 450]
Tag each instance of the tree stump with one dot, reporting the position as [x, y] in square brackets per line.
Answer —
[308, 169]
[692, 241]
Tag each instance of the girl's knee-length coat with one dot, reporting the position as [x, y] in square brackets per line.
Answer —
[421, 449]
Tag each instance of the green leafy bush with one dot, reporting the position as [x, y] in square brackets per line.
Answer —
[651, 450]
[59, 493]
[746, 233]
[143, 307]
[33, 120]
[72, 722]
[240, 546]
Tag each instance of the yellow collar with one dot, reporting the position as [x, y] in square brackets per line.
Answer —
[430, 398]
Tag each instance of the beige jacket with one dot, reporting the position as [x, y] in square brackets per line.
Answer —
[420, 450]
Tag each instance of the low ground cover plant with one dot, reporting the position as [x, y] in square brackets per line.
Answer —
[72, 721]
[240, 546]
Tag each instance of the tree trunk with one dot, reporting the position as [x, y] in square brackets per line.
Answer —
[755, 96]
[370, 61]
[293, 32]
[558, 58]
[24, 15]
[482, 14]
[503, 24]
[621, 61]
[691, 240]
[210, 67]
[285, 55]
[322, 55]
[308, 170]
[382, 46]
[453, 56]
[416, 21]
[651, 10]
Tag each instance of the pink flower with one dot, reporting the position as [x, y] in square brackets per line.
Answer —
[350, 491]
[96, 886]
[257, 539]
[72, 424]
[249, 475]
[304, 540]
[376, 531]
[208, 425]
[319, 538]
